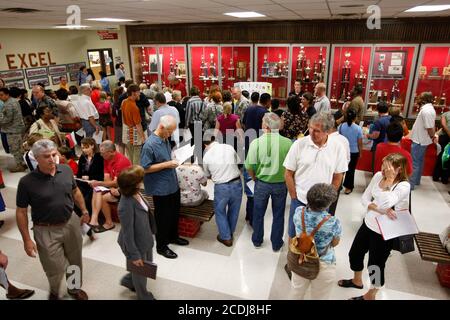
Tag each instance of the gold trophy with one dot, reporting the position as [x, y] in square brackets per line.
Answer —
[212, 67]
[204, 69]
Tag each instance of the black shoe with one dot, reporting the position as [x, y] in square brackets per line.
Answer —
[289, 272]
[180, 242]
[127, 285]
[169, 254]
[2, 223]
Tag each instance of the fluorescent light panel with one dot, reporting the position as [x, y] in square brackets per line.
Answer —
[109, 20]
[429, 8]
[71, 27]
[249, 14]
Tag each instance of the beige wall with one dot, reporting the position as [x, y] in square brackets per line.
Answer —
[65, 46]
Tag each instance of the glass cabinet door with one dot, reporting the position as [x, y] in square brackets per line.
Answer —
[273, 67]
[349, 67]
[433, 75]
[236, 64]
[145, 64]
[204, 66]
[173, 62]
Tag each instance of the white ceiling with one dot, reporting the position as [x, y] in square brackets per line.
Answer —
[184, 11]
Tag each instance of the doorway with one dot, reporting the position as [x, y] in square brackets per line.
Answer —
[101, 60]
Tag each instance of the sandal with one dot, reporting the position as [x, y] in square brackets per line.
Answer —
[101, 229]
[357, 298]
[348, 283]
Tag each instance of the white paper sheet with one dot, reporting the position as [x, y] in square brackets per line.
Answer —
[98, 137]
[187, 135]
[184, 153]
[402, 226]
[3, 279]
[251, 186]
[85, 229]
[101, 189]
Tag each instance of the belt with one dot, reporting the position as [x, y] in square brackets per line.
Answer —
[45, 224]
[233, 180]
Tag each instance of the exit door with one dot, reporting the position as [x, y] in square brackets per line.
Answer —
[101, 60]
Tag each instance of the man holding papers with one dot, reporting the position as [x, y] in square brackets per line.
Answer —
[387, 193]
[161, 182]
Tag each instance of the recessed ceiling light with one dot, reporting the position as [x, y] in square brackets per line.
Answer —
[249, 14]
[109, 20]
[75, 26]
[429, 8]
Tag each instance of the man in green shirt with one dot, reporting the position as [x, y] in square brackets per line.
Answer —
[264, 164]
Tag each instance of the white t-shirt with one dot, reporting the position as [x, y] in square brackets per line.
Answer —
[398, 196]
[313, 164]
[85, 108]
[220, 162]
[425, 120]
[322, 104]
[341, 139]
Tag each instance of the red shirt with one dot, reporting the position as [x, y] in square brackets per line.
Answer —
[181, 87]
[115, 166]
[73, 165]
[228, 123]
[95, 97]
[383, 149]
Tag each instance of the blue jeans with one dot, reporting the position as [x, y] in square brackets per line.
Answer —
[88, 128]
[227, 203]
[295, 203]
[249, 194]
[278, 193]
[418, 155]
[5, 142]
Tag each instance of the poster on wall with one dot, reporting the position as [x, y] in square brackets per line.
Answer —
[17, 83]
[55, 78]
[153, 58]
[36, 72]
[75, 66]
[73, 76]
[12, 74]
[389, 64]
[36, 81]
[57, 69]
[260, 87]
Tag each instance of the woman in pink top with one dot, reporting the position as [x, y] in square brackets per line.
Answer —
[104, 110]
[229, 125]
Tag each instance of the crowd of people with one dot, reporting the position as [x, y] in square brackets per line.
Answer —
[304, 151]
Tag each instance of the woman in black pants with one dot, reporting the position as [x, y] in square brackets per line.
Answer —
[387, 193]
[444, 138]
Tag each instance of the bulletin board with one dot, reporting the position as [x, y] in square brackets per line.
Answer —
[389, 64]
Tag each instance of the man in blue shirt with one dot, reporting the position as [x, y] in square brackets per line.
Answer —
[378, 133]
[161, 182]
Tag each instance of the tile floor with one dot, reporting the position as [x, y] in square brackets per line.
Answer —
[208, 270]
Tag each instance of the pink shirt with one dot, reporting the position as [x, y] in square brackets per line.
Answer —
[227, 123]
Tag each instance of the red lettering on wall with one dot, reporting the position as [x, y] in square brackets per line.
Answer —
[50, 62]
[10, 60]
[23, 63]
[33, 64]
[42, 59]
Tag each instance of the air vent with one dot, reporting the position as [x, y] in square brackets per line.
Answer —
[352, 6]
[138, 21]
[22, 10]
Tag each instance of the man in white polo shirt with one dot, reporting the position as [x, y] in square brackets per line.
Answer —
[316, 158]
[322, 103]
[87, 111]
[422, 135]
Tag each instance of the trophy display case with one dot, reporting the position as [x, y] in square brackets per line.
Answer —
[272, 65]
[349, 67]
[391, 76]
[236, 64]
[433, 75]
[173, 62]
[145, 64]
[204, 66]
[309, 65]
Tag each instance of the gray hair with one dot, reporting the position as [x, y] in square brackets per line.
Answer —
[321, 196]
[85, 86]
[238, 89]
[167, 121]
[155, 87]
[176, 93]
[149, 93]
[325, 118]
[108, 145]
[272, 121]
[41, 146]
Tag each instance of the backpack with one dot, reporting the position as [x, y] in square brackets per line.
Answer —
[303, 258]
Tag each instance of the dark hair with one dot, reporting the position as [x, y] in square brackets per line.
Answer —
[264, 98]
[66, 152]
[358, 90]
[40, 110]
[90, 72]
[117, 93]
[254, 97]
[82, 68]
[14, 92]
[62, 94]
[293, 104]
[309, 97]
[129, 82]
[23, 92]
[160, 97]
[90, 142]
[129, 180]
[5, 90]
[351, 116]
[102, 74]
[216, 97]
[194, 91]
[382, 107]
[132, 88]
[394, 132]
[62, 77]
[117, 65]
[245, 93]
[426, 97]
[275, 104]
[226, 96]
[121, 79]
[73, 90]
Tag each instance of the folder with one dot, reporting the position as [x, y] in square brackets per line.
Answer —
[402, 226]
[148, 270]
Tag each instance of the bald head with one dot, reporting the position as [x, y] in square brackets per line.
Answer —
[38, 92]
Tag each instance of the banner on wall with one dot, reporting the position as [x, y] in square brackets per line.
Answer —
[9, 75]
[107, 35]
[260, 87]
